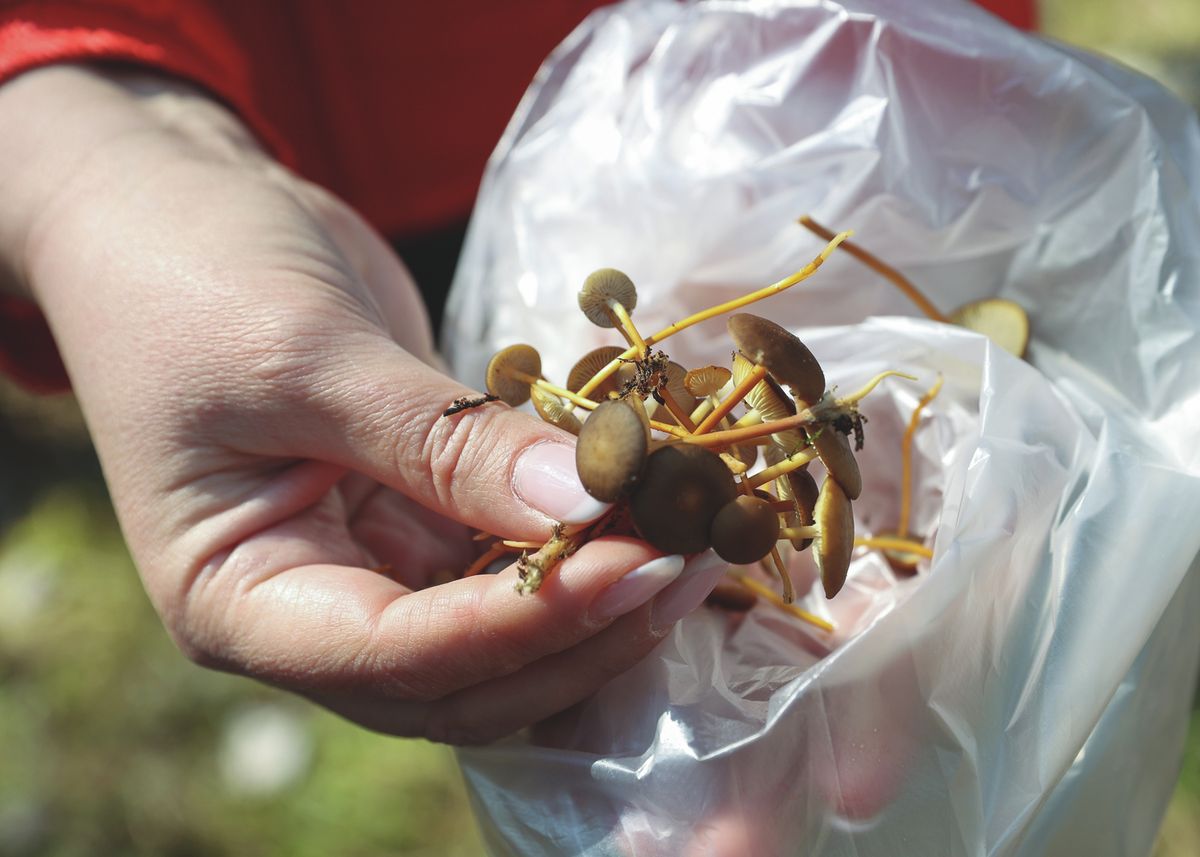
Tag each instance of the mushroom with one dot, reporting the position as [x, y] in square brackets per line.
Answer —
[512, 371]
[680, 492]
[1002, 321]
[704, 384]
[551, 409]
[745, 529]
[612, 446]
[833, 530]
[789, 361]
[800, 488]
[768, 402]
[833, 447]
[607, 298]
[591, 364]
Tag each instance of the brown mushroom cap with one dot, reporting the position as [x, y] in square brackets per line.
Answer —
[800, 487]
[602, 286]
[591, 363]
[611, 450]
[520, 358]
[835, 541]
[1003, 321]
[787, 358]
[706, 381]
[745, 529]
[834, 449]
[550, 408]
[731, 595]
[681, 490]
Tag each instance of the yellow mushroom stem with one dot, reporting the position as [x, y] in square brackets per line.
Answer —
[730, 437]
[789, 591]
[486, 558]
[753, 418]
[719, 309]
[513, 544]
[812, 531]
[792, 462]
[732, 400]
[677, 410]
[880, 267]
[768, 594]
[906, 458]
[704, 408]
[584, 402]
[860, 394]
[890, 543]
[624, 323]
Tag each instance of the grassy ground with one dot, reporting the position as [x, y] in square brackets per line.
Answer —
[111, 745]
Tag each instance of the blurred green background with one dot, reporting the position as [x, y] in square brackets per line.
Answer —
[112, 744]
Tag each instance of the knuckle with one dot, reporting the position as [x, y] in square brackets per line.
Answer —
[451, 451]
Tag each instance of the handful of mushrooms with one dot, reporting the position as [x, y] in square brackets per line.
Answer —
[663, 445]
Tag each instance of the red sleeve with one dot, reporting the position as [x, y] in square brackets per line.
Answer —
[180, 37]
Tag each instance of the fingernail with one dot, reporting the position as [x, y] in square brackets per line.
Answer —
[698, 578]
[637, 587]
[545, 479]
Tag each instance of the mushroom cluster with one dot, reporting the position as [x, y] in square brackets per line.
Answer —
[710, 457]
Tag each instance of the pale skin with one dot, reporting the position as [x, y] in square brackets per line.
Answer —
[257, 373]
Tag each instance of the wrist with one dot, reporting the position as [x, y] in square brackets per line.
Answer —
[77, 135]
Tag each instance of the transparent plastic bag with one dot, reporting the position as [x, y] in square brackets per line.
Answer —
[1028, 692]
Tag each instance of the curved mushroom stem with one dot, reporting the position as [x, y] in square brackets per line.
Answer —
[624, 323]
[770, 595]
[889, 543]
[486, 558]
[792, 462]
[906, 458]
[733, 399]
[880, 267]
[719, 309]
[860, 394]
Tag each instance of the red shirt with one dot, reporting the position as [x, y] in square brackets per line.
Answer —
[394, 105]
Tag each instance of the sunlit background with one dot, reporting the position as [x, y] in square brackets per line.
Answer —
[111, 743]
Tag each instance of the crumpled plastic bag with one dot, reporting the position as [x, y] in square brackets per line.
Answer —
[1027, 693]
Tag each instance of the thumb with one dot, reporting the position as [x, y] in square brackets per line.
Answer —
[490, 467]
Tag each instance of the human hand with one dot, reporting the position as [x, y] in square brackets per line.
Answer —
[253, 363]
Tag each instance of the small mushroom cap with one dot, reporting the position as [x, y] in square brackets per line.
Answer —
[520, 358]
[681, 491]
[903, 563]
[550, 408]
[591, 363]
[706, 381]
[834, 449]
[602, 286]
[611, 450]
[745, 529]
[800, 487]
[835, 542]
[787, 358]
[1003, 321]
